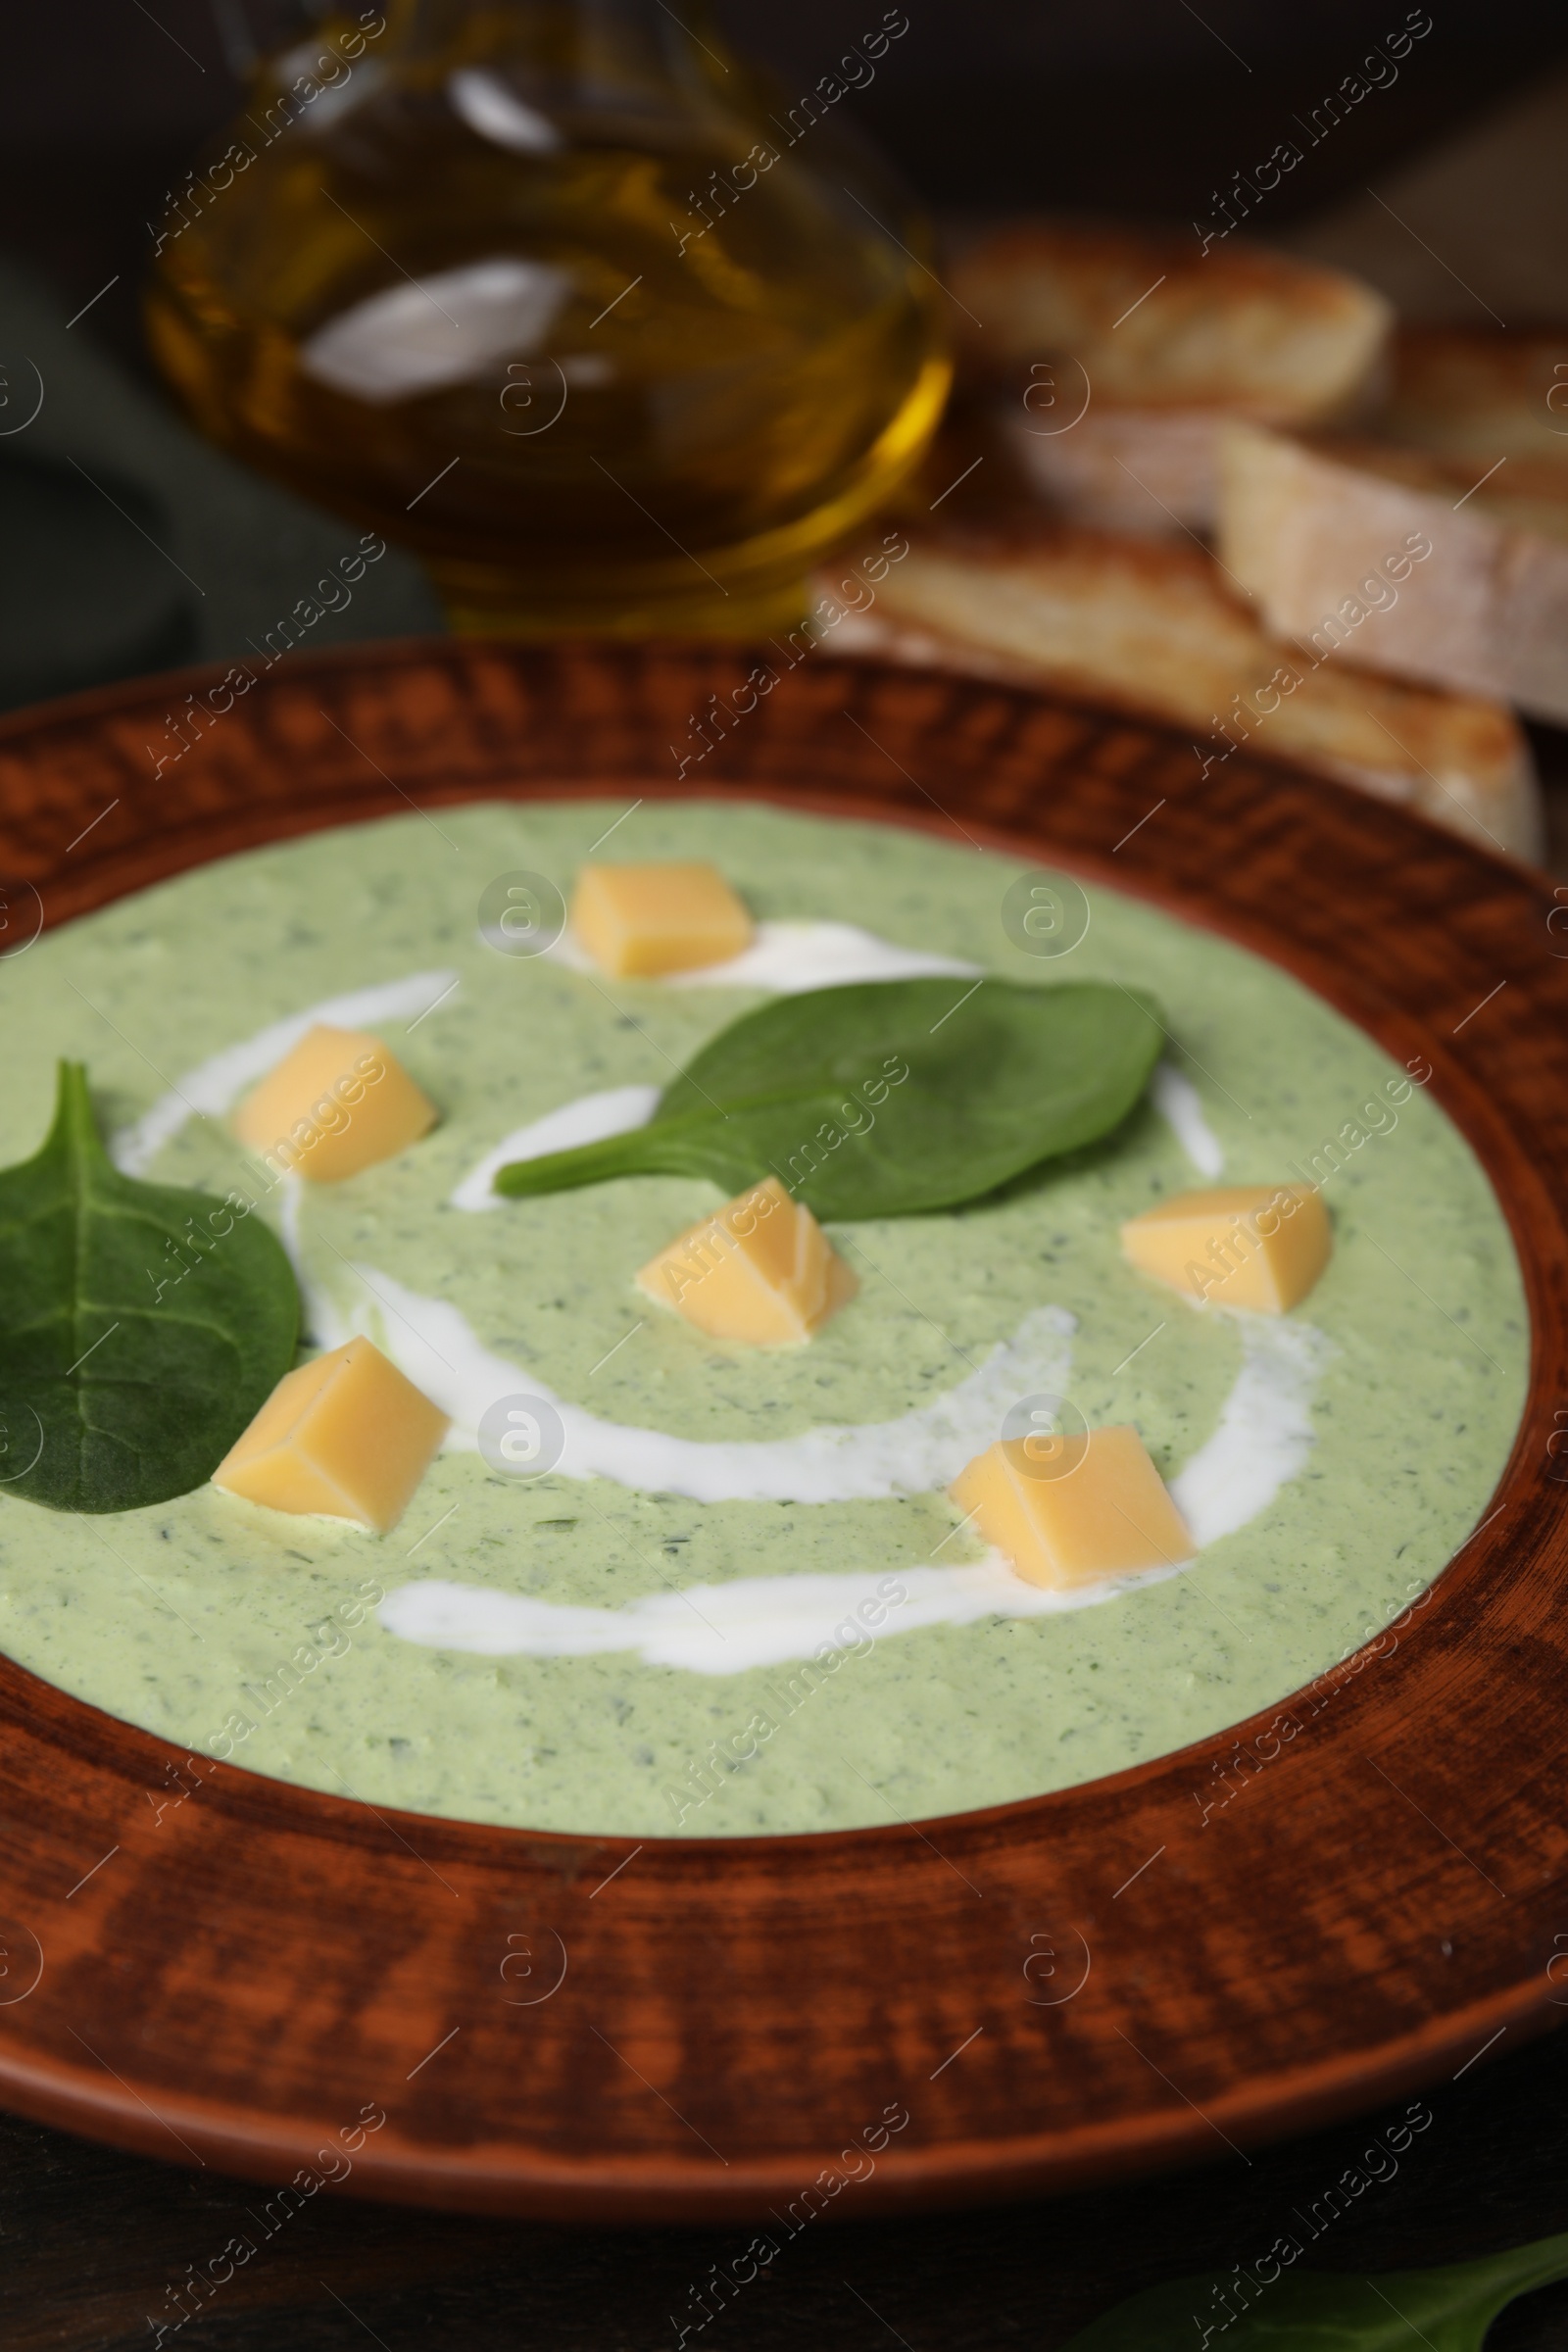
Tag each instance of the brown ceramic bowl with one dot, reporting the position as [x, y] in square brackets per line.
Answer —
[1052, 1993]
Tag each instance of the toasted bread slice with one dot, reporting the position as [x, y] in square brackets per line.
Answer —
[1122, 352]
[1154, 628]
[1323, 533]
[1480, 394]
[1158, 324]
[1154, 471]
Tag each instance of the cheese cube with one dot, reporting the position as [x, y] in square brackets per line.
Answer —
[345, 1436]
[336, 1104]
[1102, 1511]
[760, 1269]
[1255, 1246]
[637, 921]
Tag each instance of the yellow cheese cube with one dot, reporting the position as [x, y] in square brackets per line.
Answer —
[760, 1269]
[336, 1104]
[637, 921]
[1100, 1512]
[1256, 1246]
[345, 1436]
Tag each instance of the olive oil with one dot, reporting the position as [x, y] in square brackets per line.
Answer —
[548, 294]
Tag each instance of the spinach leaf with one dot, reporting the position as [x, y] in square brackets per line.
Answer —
[887, 1097]
[141, 1327]
[1314, 2311]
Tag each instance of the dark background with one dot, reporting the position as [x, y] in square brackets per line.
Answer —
[1134, 107]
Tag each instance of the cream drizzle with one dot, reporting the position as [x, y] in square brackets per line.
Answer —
[1262, 1441]
[433, 1343]
[727, 1629]
[1264, 1433]
[1181, 1107]
[588, 1120]
[790, 957]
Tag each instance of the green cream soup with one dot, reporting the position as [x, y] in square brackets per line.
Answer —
[1353, 1445]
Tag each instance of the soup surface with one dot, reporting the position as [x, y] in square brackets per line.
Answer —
[710, 1618]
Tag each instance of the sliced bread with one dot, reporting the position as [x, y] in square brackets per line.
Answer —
[1154, 628]
[1405, 560]
[1478, 394]
[1116, 354]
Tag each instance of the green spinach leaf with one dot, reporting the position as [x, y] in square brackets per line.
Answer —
[887, 1097]
[1450, 2310]
[141, 1327]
